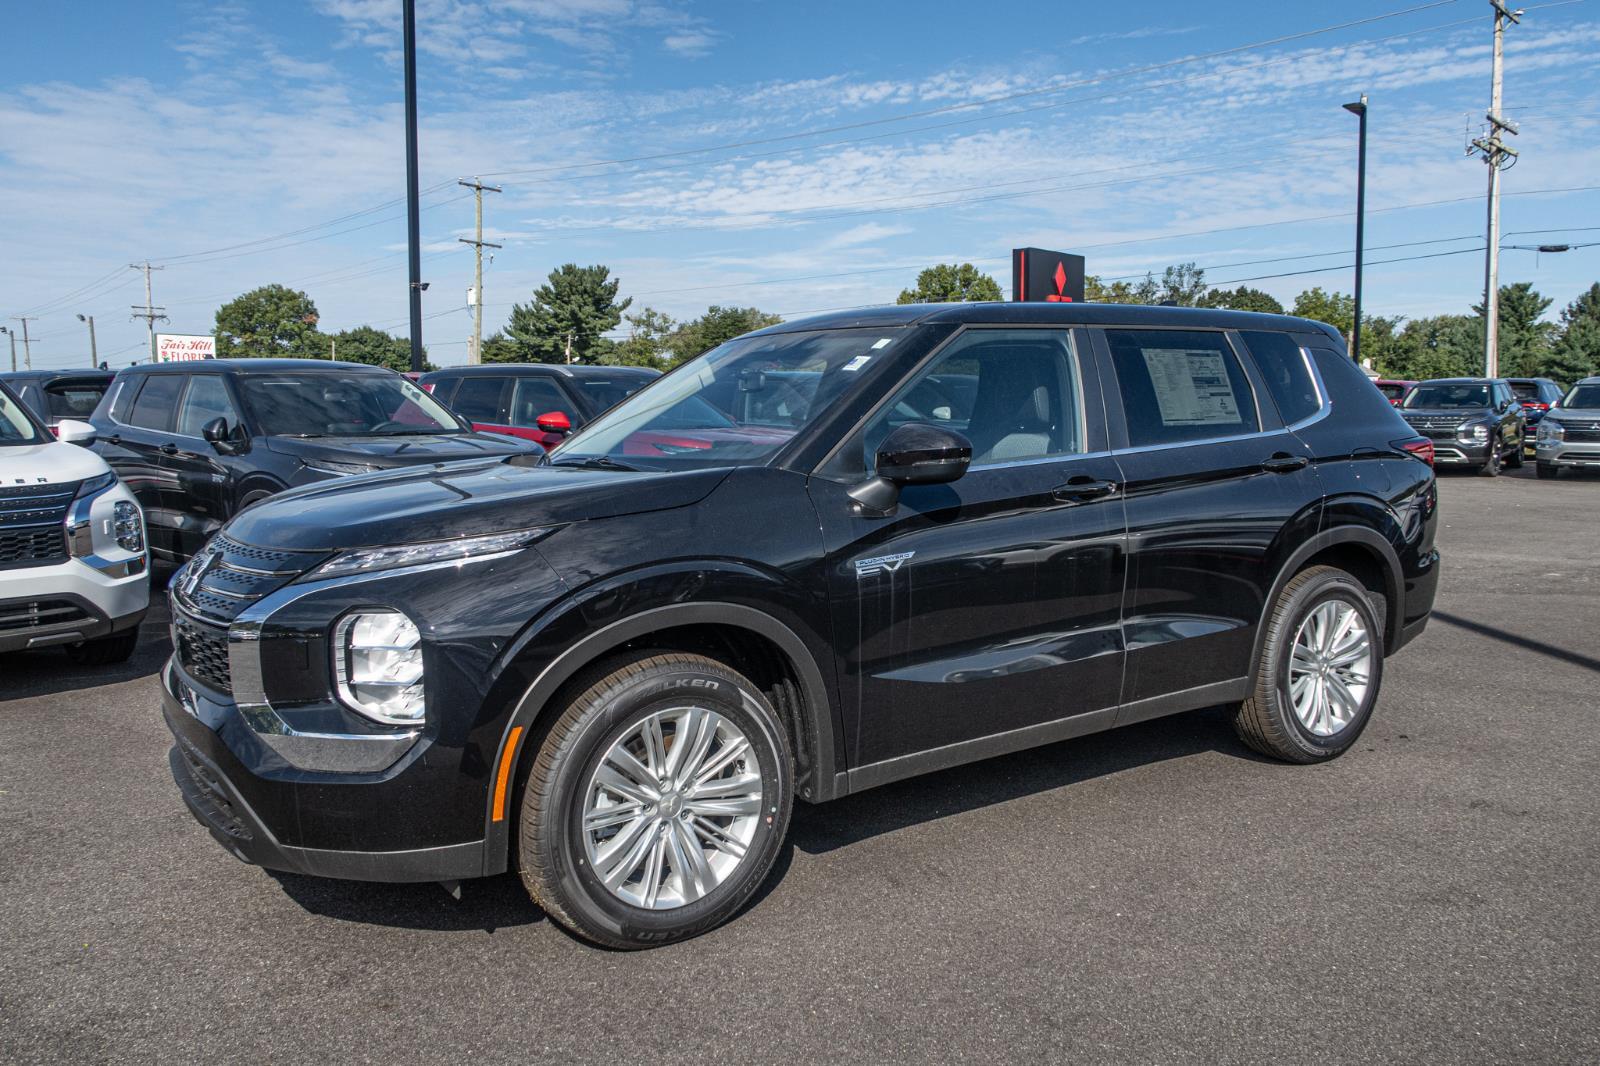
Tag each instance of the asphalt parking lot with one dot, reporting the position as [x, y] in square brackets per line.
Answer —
[1155, 894]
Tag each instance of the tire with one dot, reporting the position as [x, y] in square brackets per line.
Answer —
[1491, 465]
[1548, 470]
[1268, 721]
[558, 857]
[253, 498]
[1515, 458]
[103, 651]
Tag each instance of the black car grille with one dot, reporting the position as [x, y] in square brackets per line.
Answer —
[211, 797]
[33, 523]
[1436, 427]
[18, 615]
[213, 589]
[1581, 432]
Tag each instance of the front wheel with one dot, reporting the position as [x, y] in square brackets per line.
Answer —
[1491, 465]
[1320, 668]
[657, 804]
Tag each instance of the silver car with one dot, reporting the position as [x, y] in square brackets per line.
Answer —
[1569, 436]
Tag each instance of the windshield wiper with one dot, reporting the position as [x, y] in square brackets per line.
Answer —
[596, 462]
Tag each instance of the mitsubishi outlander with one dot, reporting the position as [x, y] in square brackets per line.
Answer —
[823, 556]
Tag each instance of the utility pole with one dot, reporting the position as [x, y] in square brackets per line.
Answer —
[1499, 158]
[413, 198]
[94, 352]
[8, 332]
[149, 312]
[27, 348]
[1359, 109]
[475, 350]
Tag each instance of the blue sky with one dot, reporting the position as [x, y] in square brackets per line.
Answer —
[794, 156]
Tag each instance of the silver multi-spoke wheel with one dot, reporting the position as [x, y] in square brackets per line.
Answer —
[1330, 667]
[672, 808]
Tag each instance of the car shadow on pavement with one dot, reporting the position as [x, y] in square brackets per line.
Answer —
[488, 904]
[824, 827]
[48, 671]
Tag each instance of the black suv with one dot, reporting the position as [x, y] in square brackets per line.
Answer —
[946, 533]
[57, 394]
[198, 442]
[541, 402]
[1473, 422]
[1536, 396]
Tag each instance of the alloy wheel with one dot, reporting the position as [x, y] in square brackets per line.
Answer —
[671, 810]
[1330, 667]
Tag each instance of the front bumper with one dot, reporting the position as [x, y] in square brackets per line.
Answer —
[1575, 455]
[46, 606]
[1455, 452]
[281, 818]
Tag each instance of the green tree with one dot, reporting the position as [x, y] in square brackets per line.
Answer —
[1337, 309]
[718, 324]
[1243, 298]
[366, 344]
[498, 348]
[273, 320]
[1525, 340]
[568, 317]
[951, 283]
[1183, 284]
[1576, 353]
[1440, 347]
[1118, 292]
[648, 341]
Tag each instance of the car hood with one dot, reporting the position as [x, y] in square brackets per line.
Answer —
[1462, 413]
[458, 500]
[54, 463]
[399, 450]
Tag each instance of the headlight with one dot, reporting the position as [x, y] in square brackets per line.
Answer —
[1478, 432]
[1552, 429]
[96, 484]
[364, 560]
[378, 665]
[331, 466]
[128, 524]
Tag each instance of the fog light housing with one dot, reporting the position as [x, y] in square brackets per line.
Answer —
[377, 665]
[128, 525]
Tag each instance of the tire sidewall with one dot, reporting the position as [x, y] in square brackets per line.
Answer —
[560, 830]
[1323, 589]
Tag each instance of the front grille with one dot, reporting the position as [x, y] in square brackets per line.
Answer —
[33, 523]
[203, 651]
[1583, 436]
[211, 796]
[35, 614]
[226, 577]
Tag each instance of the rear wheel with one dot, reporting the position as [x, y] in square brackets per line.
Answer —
[102, 651]
[657, 803]
[1320, 669]
[1491, 465]
[1547, 470]
[1514, 457]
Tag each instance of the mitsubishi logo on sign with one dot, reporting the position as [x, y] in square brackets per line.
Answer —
[1050, 277]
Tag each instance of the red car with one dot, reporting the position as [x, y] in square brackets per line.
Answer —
[1394, 389]
[541, 402]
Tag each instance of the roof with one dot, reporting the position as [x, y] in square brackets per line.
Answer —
[566, 370]
[256, 366]
[1459, 381]
[52, 375]
[1034, 313]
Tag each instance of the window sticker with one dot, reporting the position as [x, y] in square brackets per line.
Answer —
[884, 343]
[1191, 386]
[857, 363]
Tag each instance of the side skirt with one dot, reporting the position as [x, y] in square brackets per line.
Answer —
[1033, 736]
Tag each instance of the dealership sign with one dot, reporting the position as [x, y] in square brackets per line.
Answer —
[1045, 276]
[180, 347]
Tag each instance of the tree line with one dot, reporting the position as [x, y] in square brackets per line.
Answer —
[576, 316]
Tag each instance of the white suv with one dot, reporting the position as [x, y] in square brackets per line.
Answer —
[72, 547]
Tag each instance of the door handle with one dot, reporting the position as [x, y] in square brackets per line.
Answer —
[113, 440]
[1082, 489]
[169, 449]
[1285, 464]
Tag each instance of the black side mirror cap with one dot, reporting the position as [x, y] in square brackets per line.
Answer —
[222, 437]
[920, 454]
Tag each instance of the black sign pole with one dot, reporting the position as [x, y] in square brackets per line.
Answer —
[413, 200]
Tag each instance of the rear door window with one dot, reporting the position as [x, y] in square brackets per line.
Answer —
[1180, 385]
[479, 399]
[1287, 373]
[156, 402]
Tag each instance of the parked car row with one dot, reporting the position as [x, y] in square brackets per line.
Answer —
[1486, 424]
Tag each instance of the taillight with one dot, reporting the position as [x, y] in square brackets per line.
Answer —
[427, 386]
[1422, 448]
[1537, 406]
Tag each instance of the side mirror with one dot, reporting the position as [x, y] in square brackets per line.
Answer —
[914, 454]
[71, 431]
[218, 434]
[554, 422]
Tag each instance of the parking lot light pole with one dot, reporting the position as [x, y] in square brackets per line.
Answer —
[7, 331]
[1359, 109]
[94, 353]
[413, 208]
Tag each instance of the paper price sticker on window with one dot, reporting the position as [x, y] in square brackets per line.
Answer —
[1191, 386]
[857, 363]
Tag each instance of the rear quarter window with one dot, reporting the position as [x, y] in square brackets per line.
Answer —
[1283, 367]
[1350, 391]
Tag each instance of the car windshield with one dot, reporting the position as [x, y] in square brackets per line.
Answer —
[735, 405]
[334, 404]
[1436, 396]
[1583, 397]
[15, 425]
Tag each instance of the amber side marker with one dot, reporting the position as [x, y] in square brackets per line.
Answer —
[505, 772]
